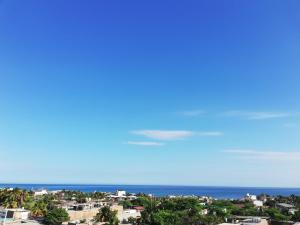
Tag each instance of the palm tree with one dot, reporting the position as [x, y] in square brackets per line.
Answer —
[107, 215]
[14, 198]
[39, 209]
[98, 195]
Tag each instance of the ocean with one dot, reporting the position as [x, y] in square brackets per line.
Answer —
[164, 190]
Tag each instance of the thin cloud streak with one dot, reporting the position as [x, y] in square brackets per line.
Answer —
[193, 113]
[256, 115]
[144, 143]
[164, 134]
[265, 155]
[290, 125]
[212, 133]
[170, 135]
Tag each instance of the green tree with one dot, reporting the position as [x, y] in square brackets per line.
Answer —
[166, 218]
[276, 214]
[39, 209]
[132, 221]
[296, 216]
[126, 204]
[98, 195]
[105, 214]
[56, 216]
[15, 198]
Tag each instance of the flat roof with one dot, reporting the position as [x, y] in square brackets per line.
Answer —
[285, 205]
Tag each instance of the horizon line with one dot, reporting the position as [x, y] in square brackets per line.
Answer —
[166, 185]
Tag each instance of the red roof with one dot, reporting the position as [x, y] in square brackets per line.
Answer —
[139, 208]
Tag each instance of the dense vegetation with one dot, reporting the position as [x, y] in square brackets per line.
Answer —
[193, 211]
[45, 206]
[56, 216]
[176, 211]
[107, 215]
[157, 211]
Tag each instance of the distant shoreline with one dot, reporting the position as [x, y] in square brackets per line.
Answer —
[165, 190]
[161, 185]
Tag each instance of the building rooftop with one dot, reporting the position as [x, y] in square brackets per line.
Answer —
[285, 205]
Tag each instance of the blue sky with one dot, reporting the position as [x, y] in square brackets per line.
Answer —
[150, 92]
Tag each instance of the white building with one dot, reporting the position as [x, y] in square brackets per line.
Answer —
[18, 214]
[40, 192]
[254, 200]
[127, 213]
[54, 192]
[120, 193]
[131, 197]
[250, 221]
[250, 197]
[258, 203]
[293, 211]
[171, 196]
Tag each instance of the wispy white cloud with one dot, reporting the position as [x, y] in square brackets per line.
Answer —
[192, 113]
[256, 115]
[209, 133]
[290, 125]
[265, 155]
[172, 134]
[144, 143]
[164, 134]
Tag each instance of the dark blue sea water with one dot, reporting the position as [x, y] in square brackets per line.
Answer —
[162, 190]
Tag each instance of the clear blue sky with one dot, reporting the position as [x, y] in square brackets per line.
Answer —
[150, 92]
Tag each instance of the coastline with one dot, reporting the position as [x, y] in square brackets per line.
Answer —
[165, 190]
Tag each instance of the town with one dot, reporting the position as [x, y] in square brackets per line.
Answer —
[33, 207]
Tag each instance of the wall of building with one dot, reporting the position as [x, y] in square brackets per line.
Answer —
[84, 214]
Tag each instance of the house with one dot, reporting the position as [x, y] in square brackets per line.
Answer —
[258, 203]
[292, 211]
[120, 193]
[263, 198]
[54, 192]
[131, 197]
[99, 204]
[250, 197]
[17, 214]
[127, 213]
[249, 221]
[21, 222]
[82, 212]
[40, 192]
[83, 206]
[254, 200]
[286, 207]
